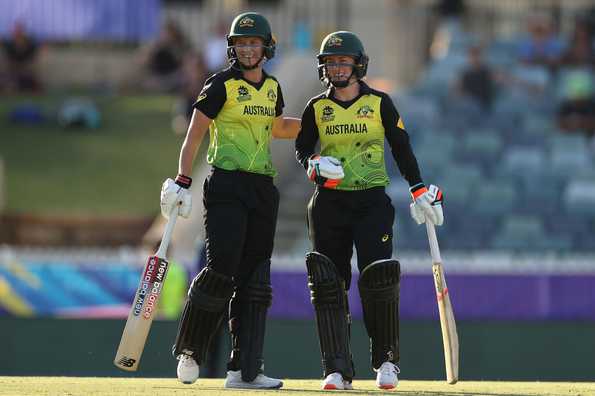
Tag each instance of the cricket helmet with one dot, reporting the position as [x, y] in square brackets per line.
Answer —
[251, 24]
[347, 44]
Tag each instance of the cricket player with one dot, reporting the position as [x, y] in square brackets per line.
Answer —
[349, 206]
[241, 107]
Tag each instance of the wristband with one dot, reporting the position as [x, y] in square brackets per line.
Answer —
[183, 181]
[418, 190]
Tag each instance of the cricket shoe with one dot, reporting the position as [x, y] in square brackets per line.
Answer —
[386, 376]
[187, 369]
[335, 381]
[234, 380]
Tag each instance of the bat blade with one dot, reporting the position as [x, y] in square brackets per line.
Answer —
[448, 325]
[141, 314]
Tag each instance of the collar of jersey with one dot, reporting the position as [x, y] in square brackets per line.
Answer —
[237, 74]
[364, 89]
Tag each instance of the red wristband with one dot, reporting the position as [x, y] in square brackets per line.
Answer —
[183, 181]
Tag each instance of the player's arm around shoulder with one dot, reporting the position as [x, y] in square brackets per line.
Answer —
[286, 127]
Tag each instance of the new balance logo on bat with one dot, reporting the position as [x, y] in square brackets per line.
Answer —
[126, 362]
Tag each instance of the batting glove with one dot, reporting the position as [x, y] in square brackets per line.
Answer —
[427, 204]
[175, 193]
[325, 171]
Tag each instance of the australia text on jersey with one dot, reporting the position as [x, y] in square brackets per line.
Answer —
[259, 110]
[345, 128]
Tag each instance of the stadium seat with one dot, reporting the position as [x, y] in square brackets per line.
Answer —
[567, 142]
[568, 225]
[519, 232]
[539, 196]
[538, 125]
[458, 182]
[579, 197]
[524, 160]
[432, 156]
[482, 146]
[553, 243]
[495, 198]
[566, 162]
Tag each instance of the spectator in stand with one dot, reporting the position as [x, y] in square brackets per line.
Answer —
[162, 60]
[476, 80]
[215, 48]
[580, 52]
[451, 8]
[577, 110]
[21, 53]
[194, 74]
[448, 29]
[542, 47]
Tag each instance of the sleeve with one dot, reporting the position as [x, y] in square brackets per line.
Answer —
[280, 102]
[211, 99]
[398, 139]
[307, 137]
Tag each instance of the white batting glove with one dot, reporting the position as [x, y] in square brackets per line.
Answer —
[325, 171]
[427, 204]
[173, 194]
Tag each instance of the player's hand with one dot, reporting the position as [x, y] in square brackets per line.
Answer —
[173, 194]
[427, 204]
[325, 171]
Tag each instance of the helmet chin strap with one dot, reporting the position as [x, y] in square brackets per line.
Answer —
[343, 83]
[237, 65]
[254, 66]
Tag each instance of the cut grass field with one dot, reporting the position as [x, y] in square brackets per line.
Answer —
[115, 169]
[212, 387]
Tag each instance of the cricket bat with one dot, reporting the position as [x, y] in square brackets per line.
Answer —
[450, 339]
[144, 305]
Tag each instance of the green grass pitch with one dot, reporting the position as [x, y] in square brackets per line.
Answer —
[210, 387]
[116, 169]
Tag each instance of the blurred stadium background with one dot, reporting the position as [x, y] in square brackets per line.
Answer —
[497, 96]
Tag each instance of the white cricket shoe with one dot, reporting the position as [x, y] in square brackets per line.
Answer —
[386, 376]
[187, 369]
[234, 380]
[335, 381]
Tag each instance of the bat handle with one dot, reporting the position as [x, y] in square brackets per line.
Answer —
[434, 249]
[169, 228]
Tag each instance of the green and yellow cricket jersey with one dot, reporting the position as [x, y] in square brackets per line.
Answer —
[354, 133]
[243, 114]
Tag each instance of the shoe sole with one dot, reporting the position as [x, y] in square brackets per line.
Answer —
[330, 387]
[387, 386]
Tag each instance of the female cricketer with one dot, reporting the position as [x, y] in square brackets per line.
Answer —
[241, 107]
[349, 206]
